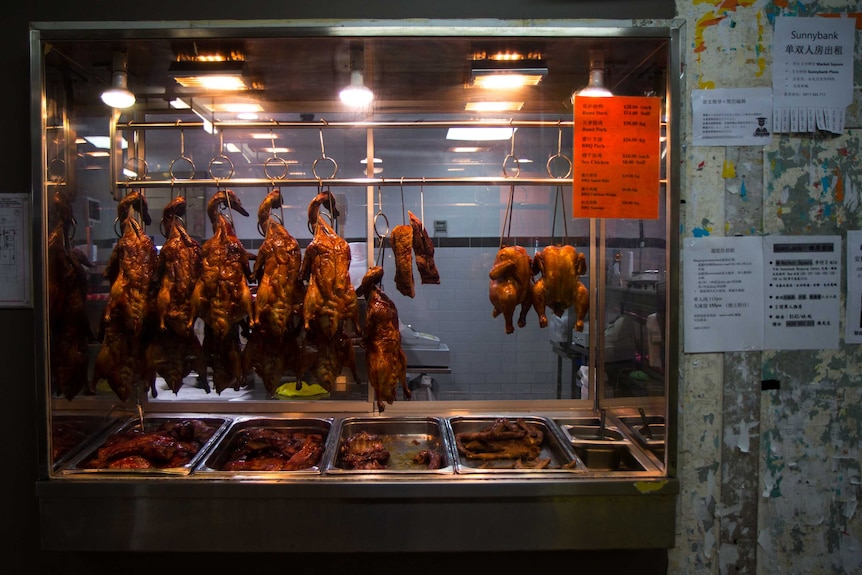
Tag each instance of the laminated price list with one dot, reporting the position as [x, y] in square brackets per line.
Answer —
[616, 157]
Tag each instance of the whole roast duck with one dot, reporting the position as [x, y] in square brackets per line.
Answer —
[384, 357]
[222, 297]
[176, 351]
[69, 328]
[128, 318]
[559, 287]
[512, 285]
[330, 299]
[273, 347]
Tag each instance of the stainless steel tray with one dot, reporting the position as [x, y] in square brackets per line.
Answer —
[86, 461]
[607, 449]
[402, 437]
[71, 432]
[651, 436]
[220, 455]
[561, 458]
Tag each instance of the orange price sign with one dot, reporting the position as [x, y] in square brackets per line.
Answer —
[617, 157]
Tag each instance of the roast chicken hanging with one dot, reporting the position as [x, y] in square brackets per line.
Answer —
[558, 287]
[512, 286]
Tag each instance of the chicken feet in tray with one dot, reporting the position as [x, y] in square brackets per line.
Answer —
[384, 358]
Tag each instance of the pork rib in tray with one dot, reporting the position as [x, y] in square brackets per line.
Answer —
[162, 445]
[397, 445]
[255, 446]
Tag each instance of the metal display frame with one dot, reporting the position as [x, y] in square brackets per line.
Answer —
[153, 513]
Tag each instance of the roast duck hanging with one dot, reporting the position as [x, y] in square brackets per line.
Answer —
[222, 297]
[176, 351]
[273, 347]
[129, 314]
[69, 327]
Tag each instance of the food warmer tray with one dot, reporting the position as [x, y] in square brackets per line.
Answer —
[648, 431]
[213, 465]
[72, 432]
[79, 465]
[603, 447]
[563, 460]
[403, 437]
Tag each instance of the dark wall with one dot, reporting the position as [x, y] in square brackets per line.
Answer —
[19, 538]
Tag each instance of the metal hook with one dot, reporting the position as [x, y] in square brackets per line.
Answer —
[182, 158]
[559, 156]
[324, 158]
[511, 156]
[272, 160]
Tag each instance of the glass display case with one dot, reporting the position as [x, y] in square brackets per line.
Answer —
[253, 290]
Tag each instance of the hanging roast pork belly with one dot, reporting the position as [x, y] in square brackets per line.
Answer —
[423, 248]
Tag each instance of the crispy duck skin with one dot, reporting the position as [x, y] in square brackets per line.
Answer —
[558, 288]
[329, 298]
[511, 285]
[221, 296]
[179, 265]
[271, 357]
[131, 269]
[332, 355]
[402, 245]
[280, 290]
[384, 358]
[423, 248]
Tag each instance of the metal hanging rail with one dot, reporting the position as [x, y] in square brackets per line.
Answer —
[335, 182]
[319, 124]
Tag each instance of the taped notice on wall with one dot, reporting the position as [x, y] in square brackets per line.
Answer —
[812, 79]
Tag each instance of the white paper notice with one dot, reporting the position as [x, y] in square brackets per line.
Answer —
[15, 284]
[853, 320]
[723, 287]
[731, 117]
[812, 78]
[803, 292]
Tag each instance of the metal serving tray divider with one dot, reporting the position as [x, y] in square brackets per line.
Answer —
[564, 461]
[403, 437]
[211, 466]
[74, 466]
